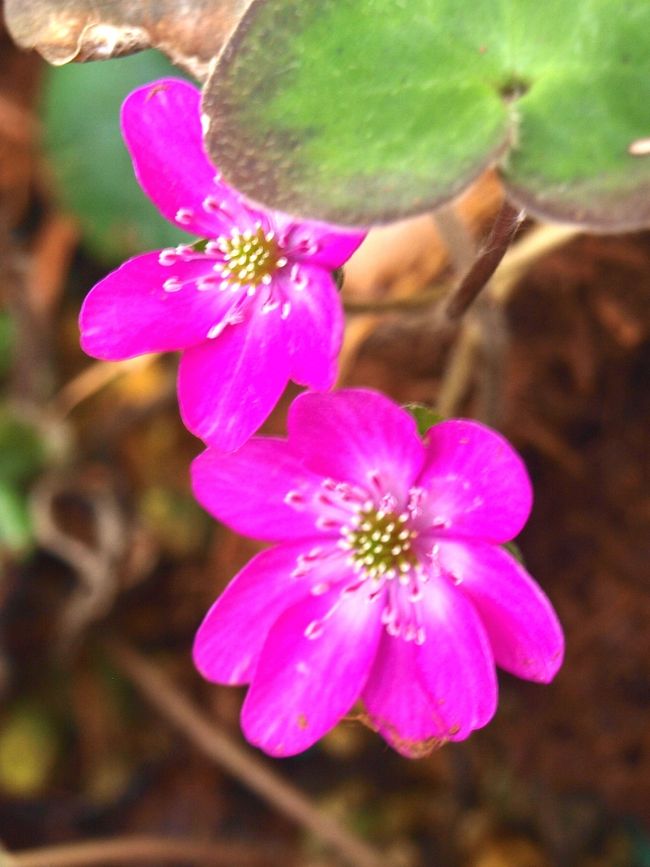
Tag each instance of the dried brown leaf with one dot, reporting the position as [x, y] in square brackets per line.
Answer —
[190, 32]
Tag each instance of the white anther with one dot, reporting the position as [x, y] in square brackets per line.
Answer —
[168, 256]
[184, 215]
[217, 329]
[314, 629]
[172, 284]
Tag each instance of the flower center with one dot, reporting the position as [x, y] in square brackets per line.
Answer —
[380, 543]
[250, 257]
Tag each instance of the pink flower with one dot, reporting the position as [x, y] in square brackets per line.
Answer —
[252, 307]
[390, 583]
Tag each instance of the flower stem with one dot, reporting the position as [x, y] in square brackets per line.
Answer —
[505, 227]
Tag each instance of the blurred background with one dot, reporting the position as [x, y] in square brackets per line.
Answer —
[107, 565]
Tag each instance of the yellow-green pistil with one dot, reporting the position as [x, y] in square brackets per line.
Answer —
[250, 257]
[380, 543]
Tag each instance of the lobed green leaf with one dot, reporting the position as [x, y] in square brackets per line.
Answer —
[363, 111]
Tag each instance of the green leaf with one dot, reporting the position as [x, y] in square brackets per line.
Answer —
[362, 111]
[29, 745]
[425, 417]
[6, 342]
[91, 166]
[22, 451]
[15, 521]
[514, 549]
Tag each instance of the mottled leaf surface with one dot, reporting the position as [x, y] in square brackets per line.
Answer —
[363, 111]
[190, 32]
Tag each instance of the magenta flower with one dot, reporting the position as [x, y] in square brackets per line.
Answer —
[389, 583]
[251, 306]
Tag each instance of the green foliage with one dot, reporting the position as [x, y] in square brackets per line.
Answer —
[22, 455]
[514, 549]
[21, 449]
[369, 110]
[425, 417]
[91, 167]
[28, 749]
[15, 521]
[6, 342]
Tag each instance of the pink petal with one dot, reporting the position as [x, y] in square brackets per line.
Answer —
[476, 482]
[521, 624]
[228, 386]
[130, 313]
[403, 712]
[229, 640]
[316, 322]
[247, 490]
[357, 435]
[317, 243]
[161, 125]
[303, 686]
[455, 663]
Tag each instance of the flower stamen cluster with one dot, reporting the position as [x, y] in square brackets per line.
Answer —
[380, 543]
[250, 257]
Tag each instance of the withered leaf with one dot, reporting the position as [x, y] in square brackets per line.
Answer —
[189, 32]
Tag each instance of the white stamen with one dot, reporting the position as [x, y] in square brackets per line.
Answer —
[184, 215]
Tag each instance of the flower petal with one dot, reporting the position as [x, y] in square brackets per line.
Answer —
[228, 386]
[316, 323]
[229, 641]
[398, 705]
[317, 243]
[130, 313]
[455, 663]
[357, 435]
[161, 125]
[303, 686]
[247, 490]
[476, 482]
[522, 626]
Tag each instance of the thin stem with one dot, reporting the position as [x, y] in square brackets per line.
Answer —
[92, 379]
[400, 302]
[518, 259]
[204, 733]
[455, 383]
[131, 850]
[503, 231]
[523, 255]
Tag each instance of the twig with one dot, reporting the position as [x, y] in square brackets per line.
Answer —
[494, 341]
[503, 231]
[236, 759]
[94, 566]
[518, 259]
[523, 255]
[479, 331]
[92, 379]
[130, 850]
[459, 369]
[31, 373]
[399, 302]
